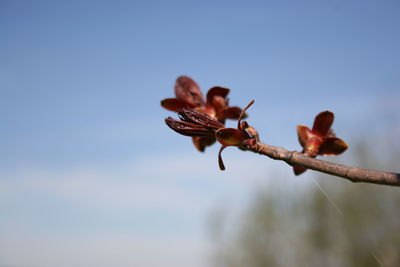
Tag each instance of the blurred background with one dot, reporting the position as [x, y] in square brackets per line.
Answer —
[91, 176]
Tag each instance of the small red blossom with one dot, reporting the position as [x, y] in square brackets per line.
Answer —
[188, 95]
[197, 124]
[321, 140]
[194, 123]
[242, 136]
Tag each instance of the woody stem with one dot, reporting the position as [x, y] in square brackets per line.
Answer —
[353, 174]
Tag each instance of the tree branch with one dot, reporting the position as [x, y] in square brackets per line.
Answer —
[353, 174]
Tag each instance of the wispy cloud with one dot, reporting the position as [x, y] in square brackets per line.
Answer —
[178, 189]
[102, 250]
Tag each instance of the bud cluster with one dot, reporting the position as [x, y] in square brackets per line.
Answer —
[204, 121]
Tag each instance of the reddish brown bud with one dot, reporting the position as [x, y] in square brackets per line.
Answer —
[312, 146]
[236, 137]
[320, 140]
[230, 136]
[304, 134]
[217, 91]
[189, 96]
[251, 131]
[200, 118]
[332, 146]
[233, 113]
[204, 120]
[189, 91]
[188, 128]
[323, 122]
[175, 104]
[219, 104]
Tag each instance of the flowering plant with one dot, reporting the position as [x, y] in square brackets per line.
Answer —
[321, 140]
[198, 124]
[204, 121]
[188, 95]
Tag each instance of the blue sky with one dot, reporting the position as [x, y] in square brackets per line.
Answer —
[87, 166]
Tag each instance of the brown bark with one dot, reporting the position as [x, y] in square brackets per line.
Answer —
[353, 174]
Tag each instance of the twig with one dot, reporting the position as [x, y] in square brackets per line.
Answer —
[353, 174]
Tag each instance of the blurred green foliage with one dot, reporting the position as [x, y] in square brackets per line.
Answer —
[331, 223]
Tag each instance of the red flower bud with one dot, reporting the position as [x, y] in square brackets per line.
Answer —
[189, 96]
[204, 130]
[320, 140]
[230, 136]
[189, 91]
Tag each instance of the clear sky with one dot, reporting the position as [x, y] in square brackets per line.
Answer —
[89, 173]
